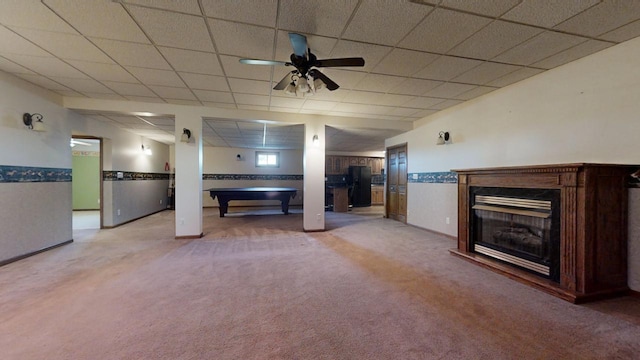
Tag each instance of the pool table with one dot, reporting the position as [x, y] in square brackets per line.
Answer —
[225, 195]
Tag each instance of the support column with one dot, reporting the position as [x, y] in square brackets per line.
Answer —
[313, 168]
[188, 187]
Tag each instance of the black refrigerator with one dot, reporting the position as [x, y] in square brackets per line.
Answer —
[360, 178]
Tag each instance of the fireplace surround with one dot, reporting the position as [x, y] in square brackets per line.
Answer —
[559, 228]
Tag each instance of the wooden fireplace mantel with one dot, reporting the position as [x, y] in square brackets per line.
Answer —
[593, 225]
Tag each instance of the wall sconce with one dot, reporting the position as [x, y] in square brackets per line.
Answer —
[186, 135]
[146, 150]
[315, 140]
[443, 138]
[33, 121]
[239, 157]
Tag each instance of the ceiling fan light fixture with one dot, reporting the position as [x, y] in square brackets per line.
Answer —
[303, 85]
[290, 89]
[319, 84]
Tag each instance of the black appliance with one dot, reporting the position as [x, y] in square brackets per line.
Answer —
[360, 180]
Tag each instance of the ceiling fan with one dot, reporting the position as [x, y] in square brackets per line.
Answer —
[305, 79]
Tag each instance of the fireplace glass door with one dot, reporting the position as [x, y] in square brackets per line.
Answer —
[518, 226]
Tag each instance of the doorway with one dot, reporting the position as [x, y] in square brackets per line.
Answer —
[396, 206]
[86, 182]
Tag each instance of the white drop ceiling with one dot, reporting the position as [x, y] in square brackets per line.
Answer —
[421, 56]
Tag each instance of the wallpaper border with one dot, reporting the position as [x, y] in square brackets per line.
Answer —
[26, 174]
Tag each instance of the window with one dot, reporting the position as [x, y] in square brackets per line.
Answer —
[267, 159]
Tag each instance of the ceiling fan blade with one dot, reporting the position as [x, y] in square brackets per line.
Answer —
[286, 80]
[262, 62]
[339, 62]
[299, 44]
[325, 79]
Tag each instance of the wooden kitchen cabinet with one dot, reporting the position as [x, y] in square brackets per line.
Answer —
[377, 195]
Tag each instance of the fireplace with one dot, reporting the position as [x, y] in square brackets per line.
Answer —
[520, 227]
[559, 228]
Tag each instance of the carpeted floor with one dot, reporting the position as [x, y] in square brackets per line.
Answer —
[257, 287]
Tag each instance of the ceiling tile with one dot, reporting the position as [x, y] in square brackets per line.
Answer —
[192, 61]
[345, 78]
[539, 47]
[250, 86]
[108, 96]
[362, 109]
[320, 46]
[11, 67]
[379, 83]
[404, 62]
[286, 102]
[446, 104]
[184, 102]
[586, 48]
[253, 107]
[547, 13]
[318, 105]
[602, 18]
[485, 73]
[233, 67]
[623, 33]
[449, 90]
[415, 87]
[401, 111]
[66, 46]
[205, 82]
[242, 40]
[247, 11]
[12, 43]
[514, 77]
[363, 97]
[484, 7]
[69, 93]
[91, 19]
[494, 39]
[447, 67]
[32, 15]
[214, 96]
[328, 17]
[47, 66]
[424, 113]
[394, 100]
[186, 6]
[174, 93]
[42, 81]
[145, 99]
[475, 92]
[422, 102]
[156, 77]
[220, 105]
[129, 89]
[131, 54]
[376, 21]
[173, 29]
[247, 99]
[372, 54]
[101, 71]
[83, 85]
[445, 29]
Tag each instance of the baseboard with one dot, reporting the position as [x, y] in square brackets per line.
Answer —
[189, 237]
[434, 232]
[132, 220]
[14, 259]
[634, 293]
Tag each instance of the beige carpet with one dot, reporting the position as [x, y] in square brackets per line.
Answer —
[257, 287]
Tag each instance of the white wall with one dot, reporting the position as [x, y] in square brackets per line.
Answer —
[219, 160]
[38, 215]
[585, 111]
